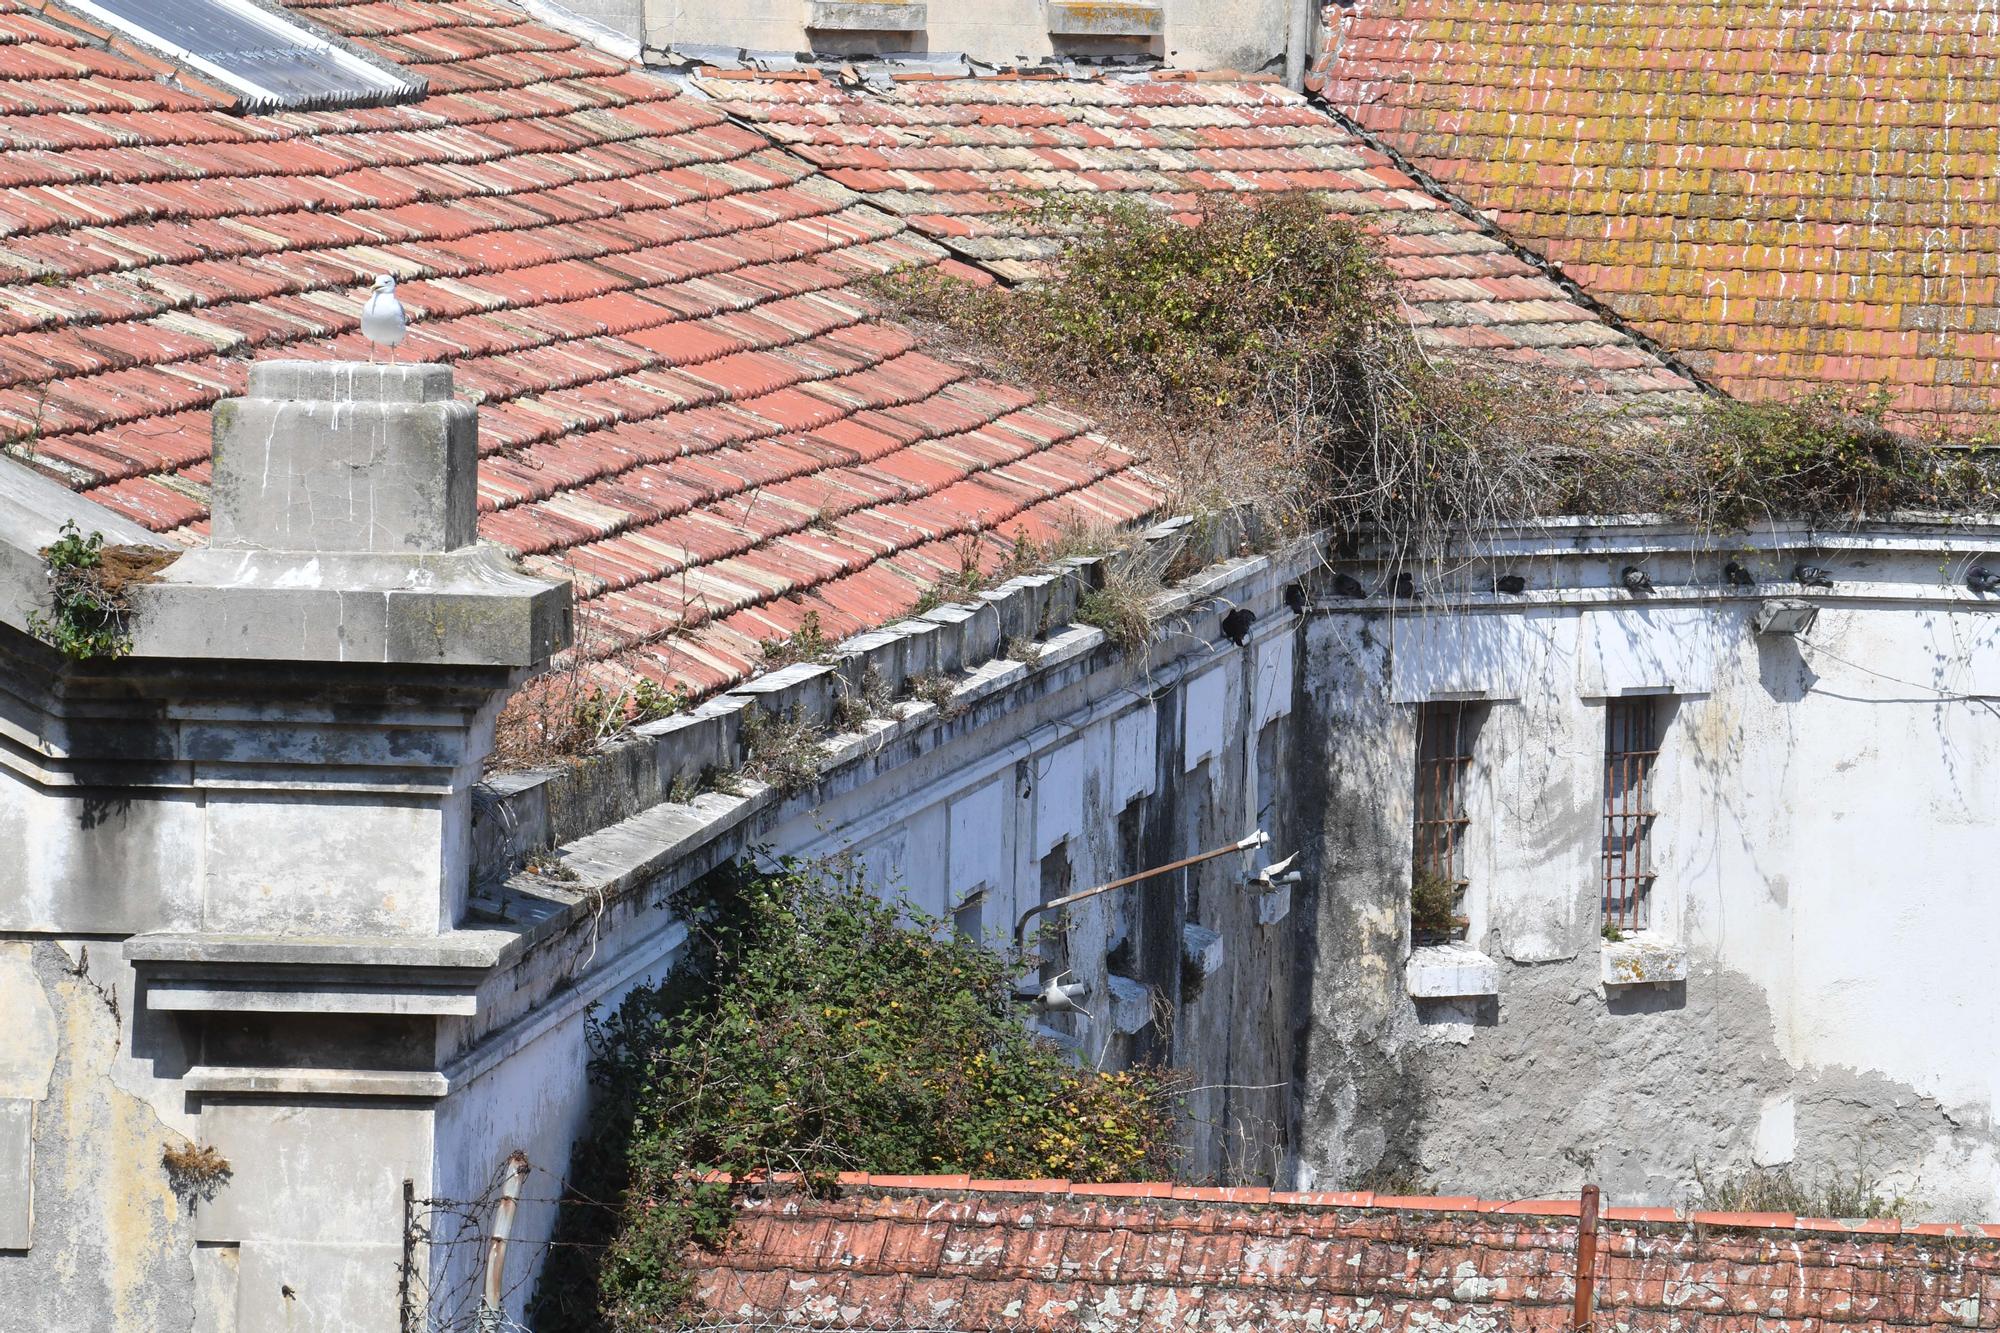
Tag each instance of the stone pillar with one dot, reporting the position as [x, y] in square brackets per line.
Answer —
[259, 821]
[333, 456]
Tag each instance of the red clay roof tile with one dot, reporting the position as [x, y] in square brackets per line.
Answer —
[686, 401]
[942, 1252]
[959, 158]
[1785, 197]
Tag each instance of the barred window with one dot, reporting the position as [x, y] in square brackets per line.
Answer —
[1444, 752]
[1631, 743]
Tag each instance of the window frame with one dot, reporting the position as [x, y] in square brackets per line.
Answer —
[1634, 725]
[1447, 731]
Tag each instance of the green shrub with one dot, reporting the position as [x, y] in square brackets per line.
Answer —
[815, 1028]
[88, 606]
[1826, 454]
[1433, 904]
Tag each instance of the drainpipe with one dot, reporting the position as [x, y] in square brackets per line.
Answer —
[491, 1311]
[1299, 30]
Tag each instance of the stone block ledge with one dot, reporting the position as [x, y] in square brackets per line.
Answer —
[1450, 971]
[1638, 960]
[865, 16]
[469, 607]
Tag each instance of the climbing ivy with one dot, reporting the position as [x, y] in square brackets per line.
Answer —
[815, 1028]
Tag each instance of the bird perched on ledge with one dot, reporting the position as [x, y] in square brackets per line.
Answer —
[383, 322]
[1636, 579]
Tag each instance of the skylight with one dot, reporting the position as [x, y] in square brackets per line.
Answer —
[265, 57]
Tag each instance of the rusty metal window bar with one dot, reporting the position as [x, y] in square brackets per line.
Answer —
[1444, 753]
[1631, 744]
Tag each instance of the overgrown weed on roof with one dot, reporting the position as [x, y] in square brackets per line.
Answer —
[1260, 352]
[1829, 1193]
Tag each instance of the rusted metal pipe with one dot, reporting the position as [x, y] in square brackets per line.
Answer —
[1255, 840]
[491, 1313]
[1586, 1261]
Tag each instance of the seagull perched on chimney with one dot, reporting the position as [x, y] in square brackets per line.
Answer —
[383, 322]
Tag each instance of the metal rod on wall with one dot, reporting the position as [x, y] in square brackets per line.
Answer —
[1255, 840]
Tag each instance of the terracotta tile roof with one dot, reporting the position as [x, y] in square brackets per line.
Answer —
[959, 157]
[945, 1252]
[1786, 195]
[684, 396]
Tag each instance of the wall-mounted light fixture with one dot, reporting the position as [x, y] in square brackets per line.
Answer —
[1786, 615]
[1062, 997]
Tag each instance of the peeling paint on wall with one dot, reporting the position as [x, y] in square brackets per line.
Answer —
[111, 1247]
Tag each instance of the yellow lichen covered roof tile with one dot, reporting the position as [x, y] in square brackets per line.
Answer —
[1786, 194]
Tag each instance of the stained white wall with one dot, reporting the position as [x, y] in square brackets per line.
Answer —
[1829, 815]
[1247, 35]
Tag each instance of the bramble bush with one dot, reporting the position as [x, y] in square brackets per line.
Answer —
[814, 1028]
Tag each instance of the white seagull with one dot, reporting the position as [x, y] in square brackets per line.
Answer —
[383, 322]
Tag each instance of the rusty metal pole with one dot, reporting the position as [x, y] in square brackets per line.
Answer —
[1586, 1260]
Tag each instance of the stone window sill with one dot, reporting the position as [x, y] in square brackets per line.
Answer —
[1450, 971]
[1642, 959]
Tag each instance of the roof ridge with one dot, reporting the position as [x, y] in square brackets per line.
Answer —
[1542, 264]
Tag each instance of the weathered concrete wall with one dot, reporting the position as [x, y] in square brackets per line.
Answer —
[111, 1245]
[1826, 816]
[234, 866]
[1117, 774]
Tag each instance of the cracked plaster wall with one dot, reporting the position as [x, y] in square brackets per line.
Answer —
[1099, 782]
[1826, 820]
[111, 1247]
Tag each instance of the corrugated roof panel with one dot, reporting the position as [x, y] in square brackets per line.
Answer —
[268, 59]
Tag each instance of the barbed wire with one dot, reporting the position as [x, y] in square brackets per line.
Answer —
[455, 1278]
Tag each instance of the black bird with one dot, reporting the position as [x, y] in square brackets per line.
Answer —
[1982, 579]
[1511, 584]
[1295, 597]
[1738, 577]
[1636, 578]
[1406, 586]
[1236, 625]
[1812, 576]
[1346, 585]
